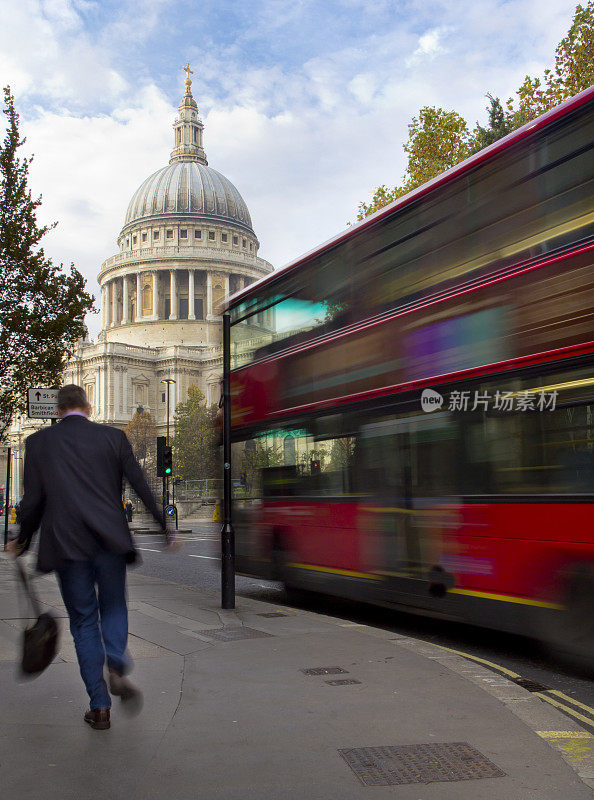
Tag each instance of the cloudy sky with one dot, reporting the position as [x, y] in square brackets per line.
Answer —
[306, 102]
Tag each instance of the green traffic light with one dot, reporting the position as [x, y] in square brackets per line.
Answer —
[167, 470]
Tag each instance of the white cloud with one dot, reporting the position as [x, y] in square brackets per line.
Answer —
[304, 142]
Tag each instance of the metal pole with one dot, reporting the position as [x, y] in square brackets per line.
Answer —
[227, 532]
[7, 496]
[167, 381]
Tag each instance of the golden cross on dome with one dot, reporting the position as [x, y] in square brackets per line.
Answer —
[188, 81]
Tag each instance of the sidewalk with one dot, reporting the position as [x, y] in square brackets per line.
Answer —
[237, 718]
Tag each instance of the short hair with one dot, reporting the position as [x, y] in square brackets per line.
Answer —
[71, 396]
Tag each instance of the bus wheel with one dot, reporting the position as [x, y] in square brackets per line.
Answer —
[572, 639]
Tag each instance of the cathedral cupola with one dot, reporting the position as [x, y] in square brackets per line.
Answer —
[188, 128]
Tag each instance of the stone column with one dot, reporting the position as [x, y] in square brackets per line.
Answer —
[125, 391]
[173, 294]
[114, 303]
[103, 307]
[155, 295]
[125, 301]
[209, 313]
[138, 298]
[226, 286]
[191, 294]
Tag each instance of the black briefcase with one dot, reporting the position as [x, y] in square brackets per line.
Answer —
[40, 641]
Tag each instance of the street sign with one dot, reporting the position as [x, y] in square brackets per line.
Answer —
[42, 403]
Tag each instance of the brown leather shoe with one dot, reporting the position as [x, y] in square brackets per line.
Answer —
[98, 718]
[130, 696]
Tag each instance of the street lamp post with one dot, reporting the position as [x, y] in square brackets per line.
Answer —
[168, 381]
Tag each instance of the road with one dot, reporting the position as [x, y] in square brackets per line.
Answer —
[198, 564]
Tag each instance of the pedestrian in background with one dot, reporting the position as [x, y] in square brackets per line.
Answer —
[73, 478]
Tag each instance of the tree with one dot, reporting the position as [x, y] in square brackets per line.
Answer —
[573, 71]
[42, 307]
[381, 197]
[195, 451]
[501, 123]
[142, 434]
[437, 140]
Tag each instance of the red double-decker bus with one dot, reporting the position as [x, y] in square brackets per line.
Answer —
[413, 402]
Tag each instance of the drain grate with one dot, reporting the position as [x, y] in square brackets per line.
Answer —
[325, 671]
[419, 763]
[272, 614]
[530, 686]
[343, 682]
[232, 634]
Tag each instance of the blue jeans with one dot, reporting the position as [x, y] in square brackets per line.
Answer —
[94, 594]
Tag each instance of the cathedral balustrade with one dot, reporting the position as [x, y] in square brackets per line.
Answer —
[200, 252]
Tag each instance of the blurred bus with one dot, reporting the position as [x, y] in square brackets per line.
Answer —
[413, 402]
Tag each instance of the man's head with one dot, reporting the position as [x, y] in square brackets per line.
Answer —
[73, 398]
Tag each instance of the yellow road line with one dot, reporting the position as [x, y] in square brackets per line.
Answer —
[506, 598]
[563, 707]
[589, 709]
[496, 667]
[565, 734]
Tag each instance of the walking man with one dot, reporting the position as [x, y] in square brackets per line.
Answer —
[73, 492]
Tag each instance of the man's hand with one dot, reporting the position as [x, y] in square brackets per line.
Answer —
[14, 548]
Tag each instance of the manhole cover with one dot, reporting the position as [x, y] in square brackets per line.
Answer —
[343, 682]
[272, 614]
[419, 763]
[232, 634]
[324, 671]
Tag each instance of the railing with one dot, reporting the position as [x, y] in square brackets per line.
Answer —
[182, 251]
[208, 489]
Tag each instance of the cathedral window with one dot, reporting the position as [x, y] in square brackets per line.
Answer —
[155, 234]
[134, 240]
[147, 300]
[211, 235]
[170, 234]
[218, 294]
[197, 234]
[235, 240]
[162, 397]
[224, 237]
[183, 234]
[243, 243]
[127, 242]
[144, 237]
[198, 308]
[251, 247]
[183, 308]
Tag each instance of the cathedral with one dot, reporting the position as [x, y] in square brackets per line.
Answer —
[187, 243]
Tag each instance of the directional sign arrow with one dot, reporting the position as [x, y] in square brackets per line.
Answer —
[37, 395]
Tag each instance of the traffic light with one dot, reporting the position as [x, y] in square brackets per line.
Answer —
[167, 461]
[314, 466]
[243, 479]
[161, 444]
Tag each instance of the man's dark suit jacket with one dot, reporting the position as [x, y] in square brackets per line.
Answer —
[73, 492]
